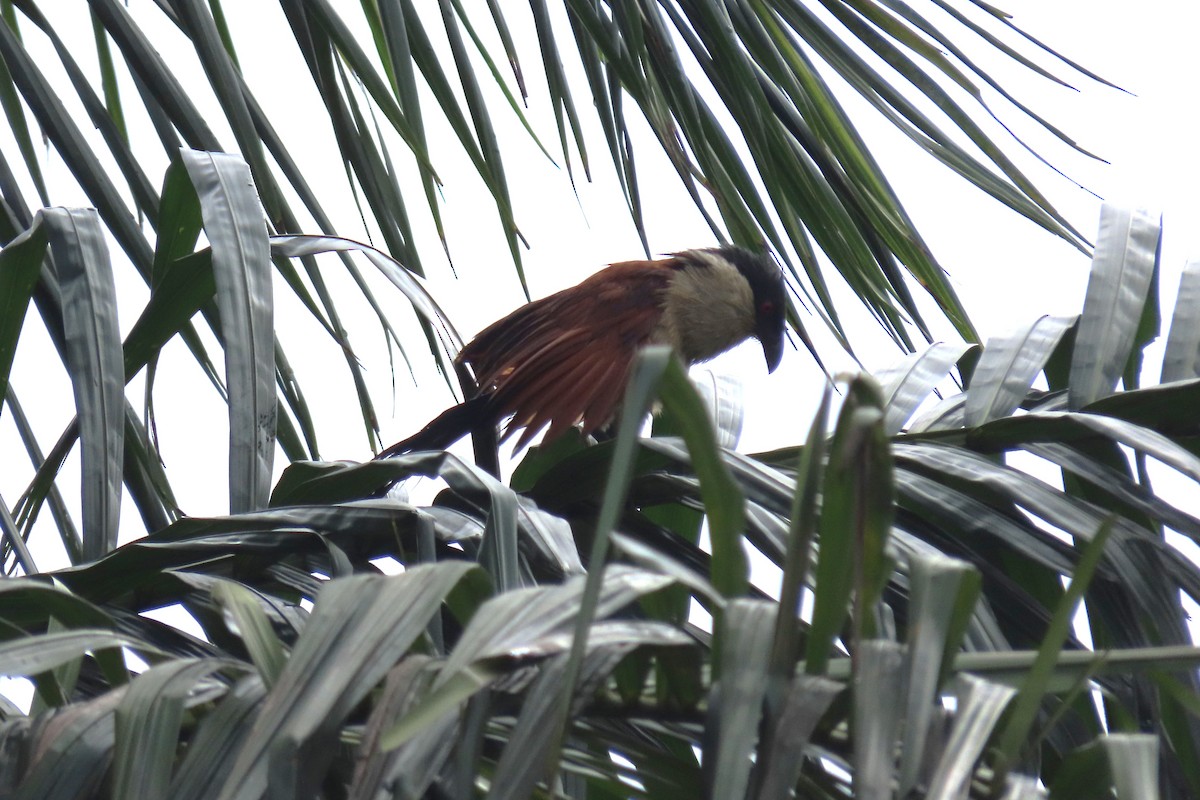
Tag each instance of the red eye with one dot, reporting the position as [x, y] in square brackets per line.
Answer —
[766, 307]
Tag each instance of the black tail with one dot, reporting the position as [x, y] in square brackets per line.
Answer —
[448, 427]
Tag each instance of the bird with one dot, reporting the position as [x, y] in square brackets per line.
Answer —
[563, 360]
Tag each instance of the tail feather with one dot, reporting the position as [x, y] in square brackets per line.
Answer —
[446, 428]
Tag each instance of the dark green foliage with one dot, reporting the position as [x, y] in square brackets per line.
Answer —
[490, 662]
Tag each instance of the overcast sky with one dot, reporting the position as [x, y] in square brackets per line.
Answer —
[1006, 269]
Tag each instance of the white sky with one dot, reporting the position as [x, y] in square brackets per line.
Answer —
[1006, 269]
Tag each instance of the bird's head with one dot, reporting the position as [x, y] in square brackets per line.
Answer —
[721, 296]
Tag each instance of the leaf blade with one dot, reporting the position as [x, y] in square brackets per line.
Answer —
[234, 224]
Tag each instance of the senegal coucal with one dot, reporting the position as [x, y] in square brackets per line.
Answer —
[564, 360]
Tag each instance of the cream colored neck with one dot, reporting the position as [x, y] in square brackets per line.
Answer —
[708, 309]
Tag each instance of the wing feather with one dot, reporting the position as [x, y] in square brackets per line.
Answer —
[565, 359]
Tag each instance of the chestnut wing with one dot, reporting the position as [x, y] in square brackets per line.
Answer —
[565, 359]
